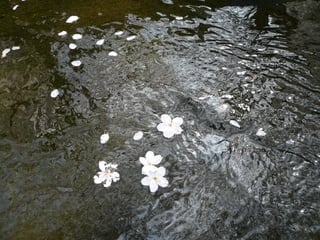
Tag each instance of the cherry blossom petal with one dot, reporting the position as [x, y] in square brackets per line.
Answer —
[72, 46]
[145, 181]
[102, 165]
[153, 186]
[163, 182]
[138, 135]
[143, 160]
[72, 19]
[108, 182]
[98, 179]
[177, 121]
[149, 156]
[104, 138]
[148, 169]
[165, 118]
[130, 38]
[100, 42]
[177, 129]
[62, 33]
[54, 93]
[115, 176]
[162, 126]
[156, 160]
[168, 133]
[161, 171]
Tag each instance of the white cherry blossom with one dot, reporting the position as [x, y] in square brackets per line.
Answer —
[107, 175]
[155, 178]
[149, 161]
[169, 126]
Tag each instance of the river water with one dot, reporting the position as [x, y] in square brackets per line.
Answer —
[208, 62]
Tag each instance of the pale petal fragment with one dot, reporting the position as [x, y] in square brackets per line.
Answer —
[145, 181]
[100, 42]
[104, 138]
[115, 176]
[102, 165]
[72, 46]
[54, 93]
[130, 38]
[113, 54]
[72, 19]
[163, 182]
[161, 171]
[138, 135]
[5, 52]
[98, 179]
[156, 160]
[15, 7]
[62, 33]
[261, 132]
[234, 123]
[148, 169]
[177, 121]
[177, 130]
[153, 185]
[118, 33]
[76, 36]
[76, 63]
[149, 155]
[108, 182]
[165, 118]
[162, 127]
[168, 133]
[15, 48]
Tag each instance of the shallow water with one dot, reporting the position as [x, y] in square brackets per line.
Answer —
[222, 61]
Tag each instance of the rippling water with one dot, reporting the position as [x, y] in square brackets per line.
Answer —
[206, 61]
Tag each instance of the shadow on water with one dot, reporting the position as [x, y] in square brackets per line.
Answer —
[207, 62]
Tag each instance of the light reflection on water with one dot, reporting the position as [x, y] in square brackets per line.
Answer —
[225, 182]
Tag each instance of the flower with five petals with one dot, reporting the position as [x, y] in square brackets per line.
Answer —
[155, 178]
[107, 175]
[149, 161]
[169, 126]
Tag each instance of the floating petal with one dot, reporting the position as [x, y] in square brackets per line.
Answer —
[130, 38]
[100, 42]
[62, 33]
[72, 46]
[153, 186]
[165, 118]
[108, 182]
[102, 165]
[118, 33]
[261, 133]
[76, 63]
[72, 19]
[54, 93]
[76, 36]
[177, 121]
[5, 52]
[15, 48]
[15, 7]
[163, 182]
[145, 181]
[234, 123]
[104, 138]
[138, 135]
[113, 54]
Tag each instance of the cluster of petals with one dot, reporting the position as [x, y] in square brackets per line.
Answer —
[169, 126]
[154, 175]
[107, 174]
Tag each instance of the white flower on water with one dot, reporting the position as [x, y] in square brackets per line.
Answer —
[138, 135]
[104, 138]
[149, 161]
[72, 19]
[107, 175]
[155, 178]
[169, 126]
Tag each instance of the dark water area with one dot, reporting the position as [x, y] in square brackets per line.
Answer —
[208, 62]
